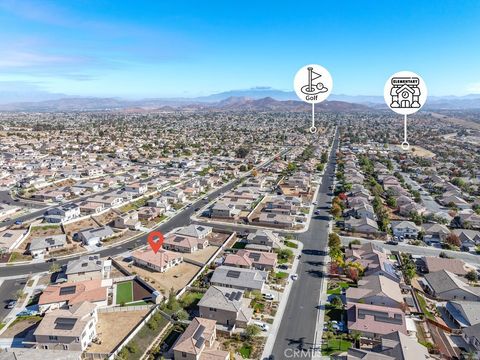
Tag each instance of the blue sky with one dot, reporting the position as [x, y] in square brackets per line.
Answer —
[137, 49]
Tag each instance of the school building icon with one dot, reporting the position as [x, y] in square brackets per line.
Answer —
[405, 92]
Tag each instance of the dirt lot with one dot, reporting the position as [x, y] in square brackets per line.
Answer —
[72, 228]
[121, 236]
[176, 277]
[113, 327]
[22, 327]
[202, 255]
[107, 217]
[217, 239]
[417, 151]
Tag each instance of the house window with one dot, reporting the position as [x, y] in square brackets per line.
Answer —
[52, 337]
[65, 347]
[184, 354]
[45, 347]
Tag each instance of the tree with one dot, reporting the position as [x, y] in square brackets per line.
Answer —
[182, 314]
[251, 331]
[353, 242]
[172, 301]
[132, 347]
[352, 273]
[334, 240]
[392, 202]
[337, 302]
[242, 152]
[453, 240]
[320, 167]
[472, 276]
[336, 210]
[356, 336]
[254, 172]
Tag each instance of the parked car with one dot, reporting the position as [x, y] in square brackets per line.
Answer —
[294, 277]
[18, 222]
[268, 296]
[261, 325]
[11, 304]
[317, 212]
[27, 312]
[283, 266]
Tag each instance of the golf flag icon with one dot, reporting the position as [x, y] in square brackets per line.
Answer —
[311, 88]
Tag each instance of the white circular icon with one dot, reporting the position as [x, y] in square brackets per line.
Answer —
[313, 83]
[405, 92]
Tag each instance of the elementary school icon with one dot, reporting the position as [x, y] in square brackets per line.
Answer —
[405, 92]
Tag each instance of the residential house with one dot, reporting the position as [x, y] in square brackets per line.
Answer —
[463, 313]
[263, 240]
[62, 214]
[373, 321]
[71, 293]
[243, 279]
[11, 238]
[40, 246]
[471, 335]
[434, 264]
[184, 243]
[72, 328]
[198, 342]
[129, 220]
[137, 188]
[93, 236]
[228, 307]
[376, 290]
[274, 220]
[160, 261]
[393, 346]
[248, 259]
[445, 285]
[197, 231]
[175, 195]
[405, 229]
[88, 267]
[363, 225]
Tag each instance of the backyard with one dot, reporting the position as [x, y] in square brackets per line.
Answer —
[124, 292]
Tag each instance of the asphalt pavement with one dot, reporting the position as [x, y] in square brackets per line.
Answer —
[299, 322]
[8, 288]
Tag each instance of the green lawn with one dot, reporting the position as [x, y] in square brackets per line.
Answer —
[338, 289]
[281, 275]
[239, 245]
[423, 306]
[124, 292]
[190, 299]
[137, 303]
[290, 244]
[335, 345]
[245, 351]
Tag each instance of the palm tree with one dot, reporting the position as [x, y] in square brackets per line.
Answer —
[356, 335]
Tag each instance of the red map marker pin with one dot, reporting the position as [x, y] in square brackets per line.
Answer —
[155, 240]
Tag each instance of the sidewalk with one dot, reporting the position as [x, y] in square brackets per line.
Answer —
[267, 350]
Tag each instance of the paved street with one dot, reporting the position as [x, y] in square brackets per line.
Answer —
[8, 288]
[420, 250]
[299, 323]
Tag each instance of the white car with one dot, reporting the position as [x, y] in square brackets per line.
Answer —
[268, 296]
[261, 325]
[294, 277]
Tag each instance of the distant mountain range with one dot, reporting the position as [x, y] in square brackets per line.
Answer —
[259, 99]
[232, 103]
